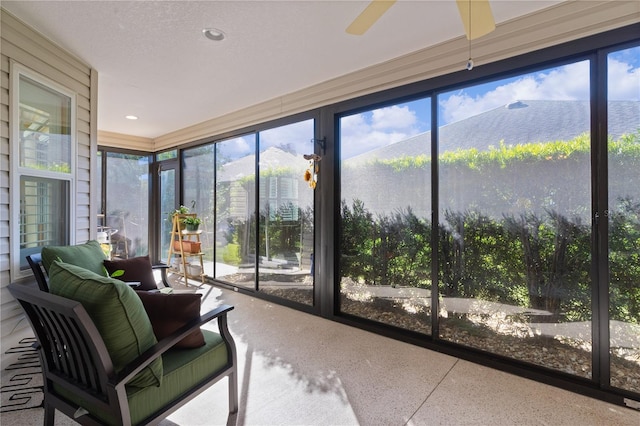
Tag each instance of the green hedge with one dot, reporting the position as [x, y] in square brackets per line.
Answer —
[536, 259]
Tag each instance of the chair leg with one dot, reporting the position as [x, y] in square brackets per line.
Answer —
[49, 415]
[165, 280]
[233, 399]
[233, 392]
[232, 420]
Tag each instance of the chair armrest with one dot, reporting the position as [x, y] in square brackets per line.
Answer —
[144, 359]
[163, 273]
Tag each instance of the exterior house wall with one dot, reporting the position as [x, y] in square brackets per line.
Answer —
[22, 45]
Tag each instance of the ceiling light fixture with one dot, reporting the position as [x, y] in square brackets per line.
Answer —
[131, 117]
[213, 34]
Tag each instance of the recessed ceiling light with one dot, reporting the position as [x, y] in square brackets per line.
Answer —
[131, 117]
[213, 34]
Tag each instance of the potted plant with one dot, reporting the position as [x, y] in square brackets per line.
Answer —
[192, 223]
[178, 211]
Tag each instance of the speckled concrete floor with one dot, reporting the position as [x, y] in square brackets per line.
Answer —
[298, 369]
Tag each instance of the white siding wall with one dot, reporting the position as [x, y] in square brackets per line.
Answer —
[24, 46]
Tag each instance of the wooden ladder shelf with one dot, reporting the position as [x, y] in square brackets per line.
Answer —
[185, 244]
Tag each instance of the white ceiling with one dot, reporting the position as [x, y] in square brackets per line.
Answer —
[154, 62]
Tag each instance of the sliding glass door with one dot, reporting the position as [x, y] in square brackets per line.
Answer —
[258, 210]
[385, 212]
[522, 271]
[624, 218]
[235, 211]
[168, 202]
[286, 213]
[127, 204]
[515, 218]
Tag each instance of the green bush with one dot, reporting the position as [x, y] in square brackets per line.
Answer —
[231, 254]
[536, 259]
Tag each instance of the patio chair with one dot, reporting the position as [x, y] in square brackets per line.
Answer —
[79, 364]
[80, 254]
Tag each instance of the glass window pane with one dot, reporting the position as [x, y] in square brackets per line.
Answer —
[99, 178]
[45, 127]
[42, 164]
[127, 208]
[385, 252]
[286, 212]
[167, 155]
[44, 215]
[167, 206]
[514, 218]
[198, 175]
[235, 235]
[624, 217]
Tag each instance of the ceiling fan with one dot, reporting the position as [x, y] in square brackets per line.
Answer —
[475, 14]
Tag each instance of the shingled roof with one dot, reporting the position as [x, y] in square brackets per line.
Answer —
[272, 158]
[518, 122]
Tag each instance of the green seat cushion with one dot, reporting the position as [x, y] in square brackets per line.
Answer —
[183, 369]
[88, 256]
[117, 313]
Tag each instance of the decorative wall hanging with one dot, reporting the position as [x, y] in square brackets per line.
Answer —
[311, 174]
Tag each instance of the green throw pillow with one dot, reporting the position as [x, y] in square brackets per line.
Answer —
[116, 311]
[88, 256]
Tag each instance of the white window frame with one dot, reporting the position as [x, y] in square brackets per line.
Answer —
[16, 171]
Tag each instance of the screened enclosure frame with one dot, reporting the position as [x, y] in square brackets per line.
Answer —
[327, 201]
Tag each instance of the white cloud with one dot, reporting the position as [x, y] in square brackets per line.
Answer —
[394, 117]
[624, 81]
[384, 126]
[296, 137]
[367, 131]
[569, 82]
[233, 149]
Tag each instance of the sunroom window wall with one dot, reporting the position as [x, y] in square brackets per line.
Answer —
[484, 214]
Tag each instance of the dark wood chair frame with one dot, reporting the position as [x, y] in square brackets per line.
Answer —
[74, 357]
[35, 261]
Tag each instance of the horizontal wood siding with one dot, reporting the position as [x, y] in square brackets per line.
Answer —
[23, 45]
[8, 311]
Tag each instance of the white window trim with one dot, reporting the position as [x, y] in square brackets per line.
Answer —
[15, 71]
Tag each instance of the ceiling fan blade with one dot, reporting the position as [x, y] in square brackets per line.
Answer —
[479, 21]
[369, 16]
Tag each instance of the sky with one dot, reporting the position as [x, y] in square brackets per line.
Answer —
[296, 137]
[383, 126]
[374, 129]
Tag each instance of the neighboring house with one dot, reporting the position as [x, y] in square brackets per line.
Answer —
[284, 197]
[281, 174]
[524, 187]
[518, 122]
